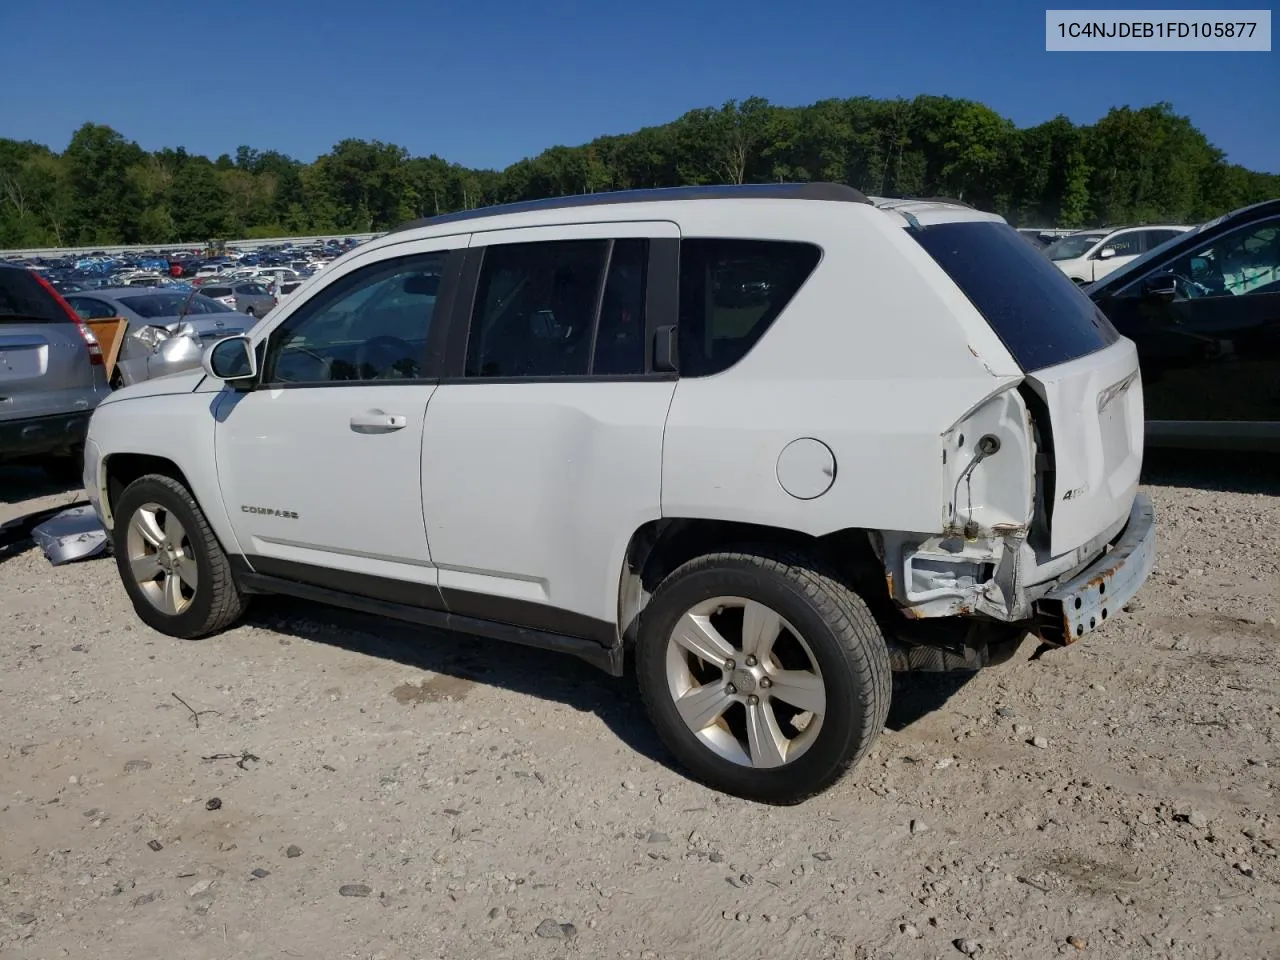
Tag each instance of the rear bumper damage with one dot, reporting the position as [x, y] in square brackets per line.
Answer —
[1001, 577]
[1081, 604]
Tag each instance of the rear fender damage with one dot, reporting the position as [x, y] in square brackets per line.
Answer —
[974, 565]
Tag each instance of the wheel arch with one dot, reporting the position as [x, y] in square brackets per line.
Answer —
[121, 469]
[658, 547]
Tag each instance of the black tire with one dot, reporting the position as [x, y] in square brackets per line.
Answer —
[217, 602]
[841, 633]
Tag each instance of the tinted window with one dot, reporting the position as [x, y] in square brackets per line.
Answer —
[209, 291]
[731, 291]
[23, 299]
[1041, 316]
[253, 290]
[370, 325]
[1153, 238]
[535, 308]
[620, 339]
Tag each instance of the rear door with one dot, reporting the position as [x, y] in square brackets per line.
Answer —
[543, 448]
[1084, 373]
[44, 358]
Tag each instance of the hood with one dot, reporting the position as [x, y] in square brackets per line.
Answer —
[184, 382]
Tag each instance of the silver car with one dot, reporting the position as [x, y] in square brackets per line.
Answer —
[248, 296]
[168, 329]
[51, 375]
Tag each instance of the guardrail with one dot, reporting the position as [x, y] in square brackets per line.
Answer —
[55, 252]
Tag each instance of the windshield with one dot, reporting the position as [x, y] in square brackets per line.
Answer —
[1069, 248]
[1039, 314]
[170, 305]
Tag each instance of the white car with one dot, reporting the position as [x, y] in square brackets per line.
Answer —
[1090, 255]
[777, 439]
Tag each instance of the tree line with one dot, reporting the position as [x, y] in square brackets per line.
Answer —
[1133, 165]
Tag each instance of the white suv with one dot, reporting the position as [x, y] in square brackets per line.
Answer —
[777, 439]
[1090, 255]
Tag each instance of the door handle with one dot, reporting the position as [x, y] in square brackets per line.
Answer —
[378, 421]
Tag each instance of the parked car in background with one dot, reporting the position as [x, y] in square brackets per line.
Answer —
[51, 375]
[1090, 255]
[167, 329]
[1204, 311]
[645, 420]
[248, 296]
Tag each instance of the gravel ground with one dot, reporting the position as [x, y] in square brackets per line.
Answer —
[335, 786]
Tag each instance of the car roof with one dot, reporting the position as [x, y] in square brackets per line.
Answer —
[744, 191]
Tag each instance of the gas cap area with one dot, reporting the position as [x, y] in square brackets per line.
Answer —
[806, 468]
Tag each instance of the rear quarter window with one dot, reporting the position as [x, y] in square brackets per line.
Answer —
[1038, 313]
[24, 300]
[731, 291]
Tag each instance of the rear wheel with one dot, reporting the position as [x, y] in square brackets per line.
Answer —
[765, 675]
[171, 564]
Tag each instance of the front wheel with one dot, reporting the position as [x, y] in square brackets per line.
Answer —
[765, 675]
[171, 564]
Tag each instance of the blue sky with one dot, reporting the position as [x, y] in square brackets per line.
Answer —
[486, 82]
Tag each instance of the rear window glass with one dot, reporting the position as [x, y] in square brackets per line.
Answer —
[170, 305]
[731, 291]
[24, 300]
[1041, 316]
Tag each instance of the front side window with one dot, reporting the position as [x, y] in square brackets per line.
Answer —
[535, 309]
[372, 325]
[1240, 263]
[731, 291]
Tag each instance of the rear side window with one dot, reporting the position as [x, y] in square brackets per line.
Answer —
[1041, 316]
[731, 291]
[216, 291]
[24, 300]
[535, 308]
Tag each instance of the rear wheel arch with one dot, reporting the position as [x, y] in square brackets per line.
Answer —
[658, 548]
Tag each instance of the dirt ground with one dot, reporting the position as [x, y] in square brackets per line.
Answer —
[382, 792]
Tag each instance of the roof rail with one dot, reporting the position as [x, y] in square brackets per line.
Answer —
[767, 191]
[951, 200]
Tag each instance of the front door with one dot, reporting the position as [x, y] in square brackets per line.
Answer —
[543, 451]
[1211, 352]
[319, 465]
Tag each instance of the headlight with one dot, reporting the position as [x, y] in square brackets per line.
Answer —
[152, 336]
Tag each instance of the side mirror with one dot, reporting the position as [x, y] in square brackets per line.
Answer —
[231, 360]
[1106, 253]
[1160, 286]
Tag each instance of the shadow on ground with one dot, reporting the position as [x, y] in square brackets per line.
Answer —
[29, 483]
[538, 674]
[1224, 472]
